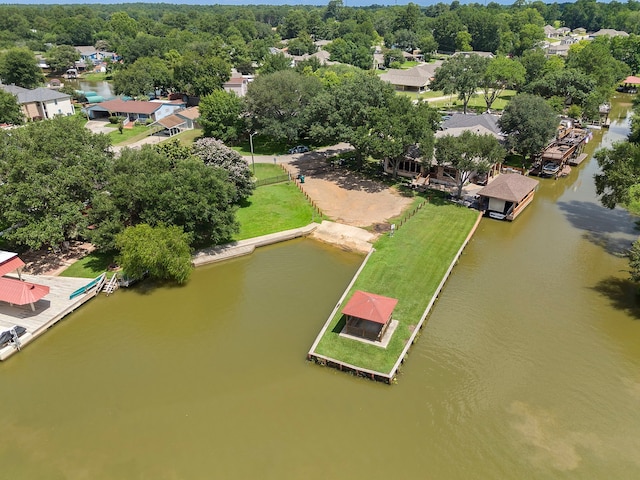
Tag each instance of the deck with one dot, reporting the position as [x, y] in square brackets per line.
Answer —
[48, 311]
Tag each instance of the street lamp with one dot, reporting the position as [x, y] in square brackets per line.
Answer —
[253, 163]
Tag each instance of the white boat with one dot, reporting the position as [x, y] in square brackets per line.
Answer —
[498, 216]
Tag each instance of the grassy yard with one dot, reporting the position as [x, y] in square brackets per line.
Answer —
[128, 135]
[94, 77]
[476, 103]
[273, 208]
[408, 266]
[421, 96]
[262, 146]
[188, 136]
[90, 266]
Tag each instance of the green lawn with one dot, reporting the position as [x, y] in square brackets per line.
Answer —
[421, 96]
[94, 77]
[90, 266]
[128, 135]
[262, 146]
[273, 208]
[267, 170]
[408, 266]
[188, 136]
[476, 103]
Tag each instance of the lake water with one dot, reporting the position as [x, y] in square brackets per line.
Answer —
[528, 368]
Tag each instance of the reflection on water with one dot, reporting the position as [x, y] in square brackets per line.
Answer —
[528, 367]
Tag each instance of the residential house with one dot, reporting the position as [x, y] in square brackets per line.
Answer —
[134, 110]
[609, 32]
[89, 53]
[550, 32]
[41, 103]
[237, 84]
[456, 124]
[415, 79]
[479, 53]
[191, 116]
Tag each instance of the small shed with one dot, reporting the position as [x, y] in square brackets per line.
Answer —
[507, 195]
[368, 315]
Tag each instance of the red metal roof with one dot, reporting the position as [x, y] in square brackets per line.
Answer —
[131, 106]
[631, 80]
[370, 306]
[21, 293]
[10, 265]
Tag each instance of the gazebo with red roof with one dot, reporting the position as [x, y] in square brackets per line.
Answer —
[368, 315]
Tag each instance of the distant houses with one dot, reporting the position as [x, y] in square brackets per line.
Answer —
[41, 103]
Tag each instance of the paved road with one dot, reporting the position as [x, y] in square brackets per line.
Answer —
[288, 158]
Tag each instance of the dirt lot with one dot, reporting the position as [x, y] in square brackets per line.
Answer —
[346, 196]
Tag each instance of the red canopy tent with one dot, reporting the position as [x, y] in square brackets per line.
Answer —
[631, 80]
[21, 293]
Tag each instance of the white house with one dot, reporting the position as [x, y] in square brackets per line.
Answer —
[41, 103]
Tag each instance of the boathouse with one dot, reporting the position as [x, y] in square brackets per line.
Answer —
[368, 315]
[507, 196]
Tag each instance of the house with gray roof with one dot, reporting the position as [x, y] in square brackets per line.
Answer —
[609, 32]
[41, 103]
[457, 123]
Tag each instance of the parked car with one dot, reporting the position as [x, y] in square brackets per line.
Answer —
[299, 149]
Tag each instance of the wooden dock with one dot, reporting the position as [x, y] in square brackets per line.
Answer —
[48, 311]
[386, 377]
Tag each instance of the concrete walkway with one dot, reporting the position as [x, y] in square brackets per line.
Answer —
[246, 247]
[345, 236]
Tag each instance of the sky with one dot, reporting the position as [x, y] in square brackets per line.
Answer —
[348, 3]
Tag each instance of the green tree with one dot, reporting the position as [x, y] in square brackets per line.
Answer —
[200, 76]
[460, 74]
[50, 171]
[220, 115]
[144, 76]
[345, 105]
[162, 252]
[529, 123]
[595, 59]
[275, 63]
[276, 104]
[10, 110]
[395, 128]
[619, 174]
[572, 85]
[62, 57]
[214, 153]
[469, 153]
[501, 73]
[148, 186]
[19, 66]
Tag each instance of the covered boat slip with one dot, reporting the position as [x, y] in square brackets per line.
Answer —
[507, 196]
[47, 311]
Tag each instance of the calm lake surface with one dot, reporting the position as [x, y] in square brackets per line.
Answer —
[528, 368]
